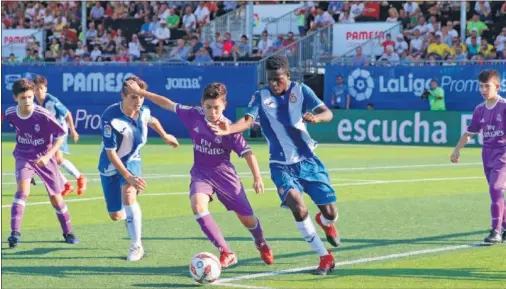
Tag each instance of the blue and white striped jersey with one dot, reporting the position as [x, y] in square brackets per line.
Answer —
[57, 109]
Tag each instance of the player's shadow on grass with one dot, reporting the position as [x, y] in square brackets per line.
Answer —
[167, 285]
[463, 274]
[37, 251]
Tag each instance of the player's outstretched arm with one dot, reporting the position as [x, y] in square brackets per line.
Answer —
[70, 122]
[258, 183]
[168, 138]
[466, 137]
[320, 114]
[137, 183]
[159, 100]
[224, 128]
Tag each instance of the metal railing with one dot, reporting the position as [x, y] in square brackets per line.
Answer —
[233, 22]
[306, 56]
[426, 62]
[283, 24]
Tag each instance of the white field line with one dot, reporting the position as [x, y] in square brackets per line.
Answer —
[248, 174]
[226, 281]
[273, 189]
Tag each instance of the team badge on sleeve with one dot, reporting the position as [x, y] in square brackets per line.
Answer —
[107, 130]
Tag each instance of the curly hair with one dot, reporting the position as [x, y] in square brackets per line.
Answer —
[276, 62]
[215, 90]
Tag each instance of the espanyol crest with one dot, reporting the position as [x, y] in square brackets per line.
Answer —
[293, 98]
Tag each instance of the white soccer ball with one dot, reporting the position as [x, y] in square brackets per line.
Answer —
[205, 268]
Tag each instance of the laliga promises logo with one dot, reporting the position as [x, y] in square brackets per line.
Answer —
[360, 84]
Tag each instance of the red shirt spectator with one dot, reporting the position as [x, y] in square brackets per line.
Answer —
[371, 9]
[387, 42]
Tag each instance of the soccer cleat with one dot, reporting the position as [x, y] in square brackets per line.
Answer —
[70, 238]
[327, 264]
[493, 237]
[81, 184]
[266, 253]
[33, 182]
[67, 190]
[227, 259]
[136, 253]
[504, 235]
[330, 231]
[14, 239]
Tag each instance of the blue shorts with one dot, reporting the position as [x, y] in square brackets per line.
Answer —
[111, 186]
[65, 146]
[309, 176]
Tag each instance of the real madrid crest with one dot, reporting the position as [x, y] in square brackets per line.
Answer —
[217, 139]
[36, 127]
[293, 98]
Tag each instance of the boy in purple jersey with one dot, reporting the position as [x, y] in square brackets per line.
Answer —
[489, 118]
[213, 172]
[38, 138]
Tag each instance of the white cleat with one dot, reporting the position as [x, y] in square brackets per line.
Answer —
[136, 253]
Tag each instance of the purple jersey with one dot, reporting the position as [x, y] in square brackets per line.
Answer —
[491, 122]
[35, 133]
[210, 151]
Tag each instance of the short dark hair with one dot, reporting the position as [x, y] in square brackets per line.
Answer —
[215, 90]
[142, 84]
[489, 74]
[22, 85]
[39, 79]
[276, 62]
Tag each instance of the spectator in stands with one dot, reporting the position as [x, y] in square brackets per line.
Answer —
[195, 47]
[217, 47]
[370, 12]
[390, 56]
[476, 24]
[388, 42]
[301, 21]
[336, 8]
[207, 47]
[229, 6]
[393, 15]
[162, 36]
[145, 27]
[58, 26]
[12, 58]
[482, 8]
[163, 12]
[422, 26]
[459, 55]
[55, 47]
[438, 48]
[241, 49]
[401, 45]
[202, 15]
[122, 56]
[410, 7]
[97, 12]
[110, 47]
[173, 19]
[485, 48]
[135, 48]
[180, 52]
[346, 17]
[340, 95]
[500, 42]
[356, 9]
[264, 45]
[91, 33]
[81, 49]
[446, 37]
[474, 47]
[202, 56]
[189, 21]
[278, 43]
[416, 44]
[323, 19]
[359, 59]
[227, 45]
[96, 52]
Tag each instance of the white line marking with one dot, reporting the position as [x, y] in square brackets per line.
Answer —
[344, 263]
[274, 189]
[240, 286]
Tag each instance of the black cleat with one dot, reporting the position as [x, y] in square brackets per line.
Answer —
[14, 239]
[504, 235]
[70, 238]
[493, 237]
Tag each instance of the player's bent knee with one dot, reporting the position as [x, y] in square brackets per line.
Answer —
[330, 212]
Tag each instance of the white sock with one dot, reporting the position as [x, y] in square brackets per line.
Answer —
[64, 178]
[327, 222]
[134, 223]
[308, 231]
[70, 168]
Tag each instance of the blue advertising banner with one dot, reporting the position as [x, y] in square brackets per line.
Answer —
[88, 90]
[401, 87]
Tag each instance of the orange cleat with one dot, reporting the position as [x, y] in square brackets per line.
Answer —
[330, 231]
[67, 189]
[82, 182]
[327, 264]
[266, 253]
[227, 259]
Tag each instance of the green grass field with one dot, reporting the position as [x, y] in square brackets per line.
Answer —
[407, 219]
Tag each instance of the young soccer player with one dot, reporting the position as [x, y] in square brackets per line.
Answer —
[489, 118]
[38, 138]
[283, 107]
[213, 172]
[64, 118]
[124, 132]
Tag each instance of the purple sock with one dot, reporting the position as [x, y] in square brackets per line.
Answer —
[257, 233]
[17, 210]
[212, 231]
[504, 217]
[63, 216]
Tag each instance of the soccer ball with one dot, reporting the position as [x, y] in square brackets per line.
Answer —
[205, 268]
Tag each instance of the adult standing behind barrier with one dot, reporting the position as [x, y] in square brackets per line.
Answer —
[340, 95]
[436, 96]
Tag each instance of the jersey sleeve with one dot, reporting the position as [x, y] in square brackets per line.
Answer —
[311, 101]
[474, 126]
[185, 114]
[108, 133]
[239, 144]
[60, 108]
[146, 115]
[54, 127]
[254, 105]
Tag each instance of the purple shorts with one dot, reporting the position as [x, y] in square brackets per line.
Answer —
[494, 165]
[227, 186]
[50, 174]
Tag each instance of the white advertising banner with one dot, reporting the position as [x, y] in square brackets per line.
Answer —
[264, 13]
[15, 40]
[347, 36]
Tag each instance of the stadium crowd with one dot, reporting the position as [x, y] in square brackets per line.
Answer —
[126, 31]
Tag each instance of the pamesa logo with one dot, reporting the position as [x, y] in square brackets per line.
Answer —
[360, 84]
